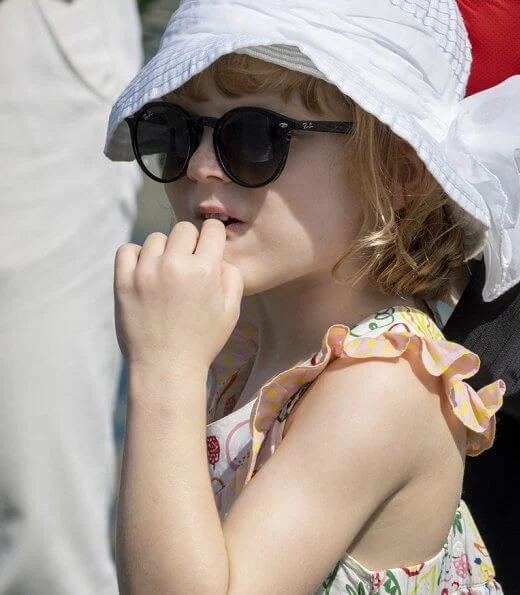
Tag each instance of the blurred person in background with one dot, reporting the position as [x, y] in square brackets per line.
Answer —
[63, 211]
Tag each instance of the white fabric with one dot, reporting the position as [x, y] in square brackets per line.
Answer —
[405, 61]
[64, 208]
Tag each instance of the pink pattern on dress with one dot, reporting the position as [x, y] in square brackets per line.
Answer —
[233, 461]
[461, 565]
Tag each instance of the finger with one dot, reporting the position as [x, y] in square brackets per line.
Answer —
[126, 260]
[212, 240]
[153, 248]
[182, 239]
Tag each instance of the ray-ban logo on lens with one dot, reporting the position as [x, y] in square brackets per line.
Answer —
[147, 115]
[307, 125]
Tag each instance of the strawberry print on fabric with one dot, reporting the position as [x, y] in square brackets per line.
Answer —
[213, 448]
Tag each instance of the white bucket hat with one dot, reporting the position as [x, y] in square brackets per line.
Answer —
[405, 61]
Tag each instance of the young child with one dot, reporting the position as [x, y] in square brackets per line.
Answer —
[328, 183]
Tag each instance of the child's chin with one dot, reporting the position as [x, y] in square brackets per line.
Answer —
[252, 288]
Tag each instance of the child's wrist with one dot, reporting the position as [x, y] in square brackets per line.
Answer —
[166, 380]
[166, 362]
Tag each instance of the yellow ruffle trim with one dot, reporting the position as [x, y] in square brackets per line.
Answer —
[441, 358]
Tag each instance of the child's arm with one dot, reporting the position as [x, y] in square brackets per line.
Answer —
[169, 536]
[176, 305]
[360, 434]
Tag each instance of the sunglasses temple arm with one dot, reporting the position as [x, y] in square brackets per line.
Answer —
[321, 126]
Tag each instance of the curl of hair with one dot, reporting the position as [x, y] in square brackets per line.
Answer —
[413, 249]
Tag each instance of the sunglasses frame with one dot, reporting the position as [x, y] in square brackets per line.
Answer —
[196, 125]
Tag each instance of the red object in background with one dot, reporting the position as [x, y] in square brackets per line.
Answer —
[494, 31]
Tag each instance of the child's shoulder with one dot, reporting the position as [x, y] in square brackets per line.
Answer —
[397, 366]
[368, 435]
[378, 393]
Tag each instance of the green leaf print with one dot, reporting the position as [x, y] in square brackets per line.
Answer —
[457, 523]
[286, 409]
[327, 583]
[386, 315]
[391, 585]
[381, 319]
[445, 559]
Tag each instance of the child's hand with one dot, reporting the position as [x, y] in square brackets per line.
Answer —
[176, 298]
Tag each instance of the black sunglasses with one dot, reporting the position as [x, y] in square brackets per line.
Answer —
[251, 143]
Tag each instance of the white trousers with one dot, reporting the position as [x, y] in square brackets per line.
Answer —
[64, 209]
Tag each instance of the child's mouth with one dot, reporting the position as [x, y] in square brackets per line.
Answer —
[234, 225]
[229, 222]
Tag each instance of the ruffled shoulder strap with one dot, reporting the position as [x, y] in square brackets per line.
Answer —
[397, 319]
[389, 334]
[415, 334]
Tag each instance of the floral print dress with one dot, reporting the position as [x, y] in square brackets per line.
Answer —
[235, 437]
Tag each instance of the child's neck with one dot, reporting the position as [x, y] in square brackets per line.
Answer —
[292, 320]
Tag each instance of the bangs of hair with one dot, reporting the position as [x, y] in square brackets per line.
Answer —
[236, 75]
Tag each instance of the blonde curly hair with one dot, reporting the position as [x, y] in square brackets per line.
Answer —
[414, 250]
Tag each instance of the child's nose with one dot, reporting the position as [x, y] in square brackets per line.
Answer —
[203, 165]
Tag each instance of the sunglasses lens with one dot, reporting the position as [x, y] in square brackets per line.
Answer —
[163, 142]
[250, 146]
